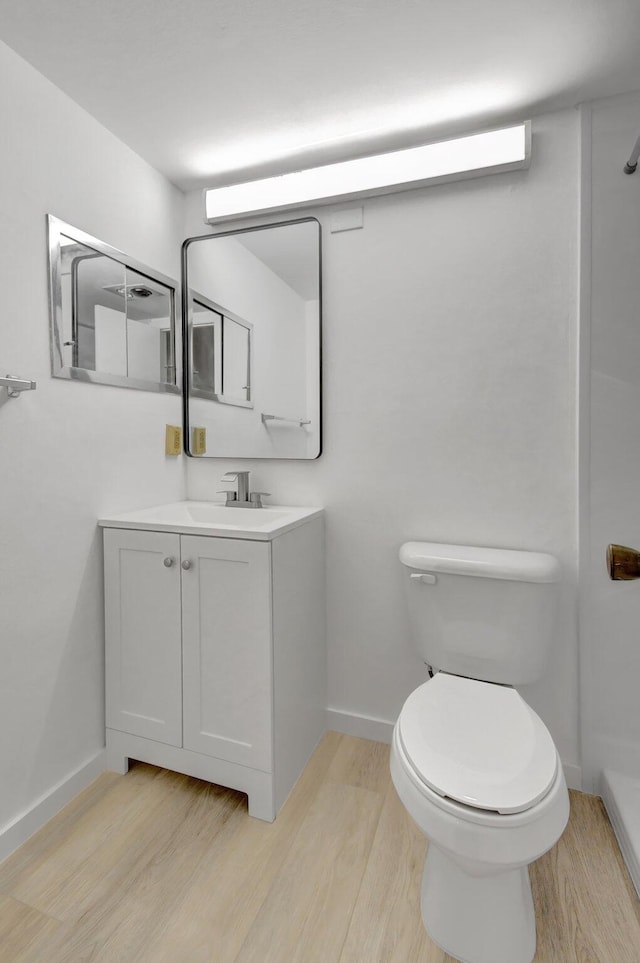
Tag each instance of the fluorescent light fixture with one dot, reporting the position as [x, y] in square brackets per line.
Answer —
[489, 152]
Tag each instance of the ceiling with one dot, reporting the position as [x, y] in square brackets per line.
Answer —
[217, 91]
[291, 252]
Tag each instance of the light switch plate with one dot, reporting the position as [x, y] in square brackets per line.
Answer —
[173, 440]
[199, 441]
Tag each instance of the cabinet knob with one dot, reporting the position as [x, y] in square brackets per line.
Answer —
[167, 562]
[186, 565]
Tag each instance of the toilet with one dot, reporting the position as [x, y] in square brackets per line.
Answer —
[473, 764]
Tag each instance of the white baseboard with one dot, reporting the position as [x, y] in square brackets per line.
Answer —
[17, 832]
[365, 727]
[573, 775]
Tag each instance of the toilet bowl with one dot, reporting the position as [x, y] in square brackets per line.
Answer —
[473, 764]
[487, 809]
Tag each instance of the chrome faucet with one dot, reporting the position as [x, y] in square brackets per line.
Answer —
[243, 497]
[242, 478]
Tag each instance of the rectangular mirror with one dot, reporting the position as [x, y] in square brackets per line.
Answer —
[252, 332]
[113, 321]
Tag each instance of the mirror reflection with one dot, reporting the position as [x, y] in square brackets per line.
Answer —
[220, 353]
[112, 320]
[251, 308]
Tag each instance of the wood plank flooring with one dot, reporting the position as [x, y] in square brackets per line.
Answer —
[155, 867]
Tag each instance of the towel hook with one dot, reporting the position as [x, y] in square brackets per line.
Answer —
[632, 163]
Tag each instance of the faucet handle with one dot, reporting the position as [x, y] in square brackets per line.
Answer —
[242, 478]
[255, 498]
[234, 475]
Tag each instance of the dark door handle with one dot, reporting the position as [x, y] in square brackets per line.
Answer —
[623, 563]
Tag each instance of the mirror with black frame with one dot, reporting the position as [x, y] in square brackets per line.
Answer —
[113, 320]
[252, 341]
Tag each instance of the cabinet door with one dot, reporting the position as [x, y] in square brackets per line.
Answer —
[143, 634]
[227, 660]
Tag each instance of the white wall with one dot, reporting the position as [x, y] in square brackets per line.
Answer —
[610, 611]
[450, 338]
[450, 344]
[70, 451]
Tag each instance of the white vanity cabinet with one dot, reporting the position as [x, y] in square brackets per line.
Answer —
[226, 649]
[143, 652]
[215, 661]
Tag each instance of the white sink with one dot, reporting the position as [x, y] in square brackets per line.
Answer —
[213, 518]
[213, 514]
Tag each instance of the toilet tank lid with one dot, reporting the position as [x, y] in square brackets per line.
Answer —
[499, 563]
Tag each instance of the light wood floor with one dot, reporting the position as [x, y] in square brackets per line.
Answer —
[154, 867]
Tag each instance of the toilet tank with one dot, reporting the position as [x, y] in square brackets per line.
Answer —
[485, 613]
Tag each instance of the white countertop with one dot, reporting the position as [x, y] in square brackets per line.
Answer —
[214, 518]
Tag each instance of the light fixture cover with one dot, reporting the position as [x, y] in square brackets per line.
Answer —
[489, 152]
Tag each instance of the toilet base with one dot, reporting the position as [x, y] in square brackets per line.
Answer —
[478, 919]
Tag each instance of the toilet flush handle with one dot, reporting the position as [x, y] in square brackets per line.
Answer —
[426, 577]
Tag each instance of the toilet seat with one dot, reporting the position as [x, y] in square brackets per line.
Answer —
[478, 743]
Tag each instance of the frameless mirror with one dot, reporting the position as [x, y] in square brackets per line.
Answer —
[251, 319]
[113, 321]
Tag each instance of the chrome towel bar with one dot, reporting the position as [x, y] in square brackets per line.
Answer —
[300, 422]
[15, 385]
